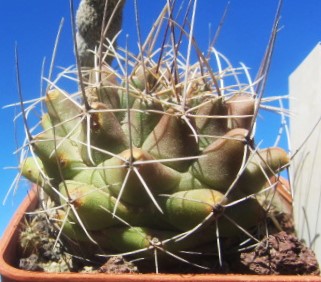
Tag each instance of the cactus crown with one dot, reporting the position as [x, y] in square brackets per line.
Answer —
[154, 158]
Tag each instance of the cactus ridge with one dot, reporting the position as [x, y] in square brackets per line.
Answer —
[162, 162]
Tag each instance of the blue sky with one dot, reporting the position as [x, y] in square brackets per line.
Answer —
[34, 24]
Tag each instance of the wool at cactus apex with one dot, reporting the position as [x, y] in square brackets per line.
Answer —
[243, 38]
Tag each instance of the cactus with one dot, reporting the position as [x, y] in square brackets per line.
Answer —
[155, 158]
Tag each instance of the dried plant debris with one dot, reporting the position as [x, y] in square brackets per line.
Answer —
[40, 249]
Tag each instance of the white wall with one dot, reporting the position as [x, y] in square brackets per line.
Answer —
[305, 106]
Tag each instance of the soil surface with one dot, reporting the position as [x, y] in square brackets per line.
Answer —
[281, 253]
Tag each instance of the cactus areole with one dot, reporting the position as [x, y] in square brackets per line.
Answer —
[153, 159]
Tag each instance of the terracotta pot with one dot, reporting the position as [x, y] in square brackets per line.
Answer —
[9, 252]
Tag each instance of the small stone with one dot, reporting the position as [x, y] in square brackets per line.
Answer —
[30, 263]
[118, 264]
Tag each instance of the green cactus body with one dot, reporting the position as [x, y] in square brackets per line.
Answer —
[241, 109]
[91, 204]
[59, 156]
[103, 125]
[90, 176]
[132, 180]
[246, 215]
[153, 176]
[211, 120]
[189, 182]
[128, 239]
[261, 167]
[32, 169]
[143, 120]
[186, 209]
[107, 92]
[222, 160]
[63, 111]
[172, 138]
